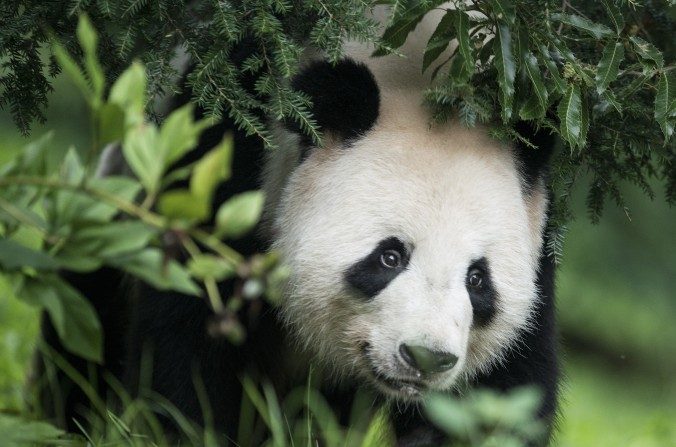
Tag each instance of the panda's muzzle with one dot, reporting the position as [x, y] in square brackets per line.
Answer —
[425, 360]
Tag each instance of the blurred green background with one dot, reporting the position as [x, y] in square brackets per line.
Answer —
[616, 301]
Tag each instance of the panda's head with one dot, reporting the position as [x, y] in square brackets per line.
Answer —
[413, 249]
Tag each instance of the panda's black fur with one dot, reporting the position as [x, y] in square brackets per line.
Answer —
[173, 328]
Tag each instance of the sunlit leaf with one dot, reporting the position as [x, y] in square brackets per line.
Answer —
[208, 266]
[239, 214]
[212, 169]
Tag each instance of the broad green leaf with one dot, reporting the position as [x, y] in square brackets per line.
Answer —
[71, 170]
[531, 66]
[531, 109]
[614, 14]
[15, 256]
[141, 151]
[464, 45]
[504, 10]
[212, 169]
[239, 214]
[504, 63]
[88, 41]
[73, 71]
[450, 415]
[183, 204]
[609, 65]
[647, 52]
[180, 133]
[19, 432]
[665, 104]
[124, 188]
[71, 314]
[553, 69]
[570, 115]
[440, 39]
[111, 120]
[584, 119]
[151, 266]
[395, 34]
[129, 92]
[208, 266]
[596, 30]
[109, 240]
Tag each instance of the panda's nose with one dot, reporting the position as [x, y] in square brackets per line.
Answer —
[425, 360]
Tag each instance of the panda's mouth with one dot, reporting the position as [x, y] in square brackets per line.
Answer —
[409, 387]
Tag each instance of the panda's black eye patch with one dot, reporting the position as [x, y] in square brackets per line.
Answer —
[482, 293]
[374, 272]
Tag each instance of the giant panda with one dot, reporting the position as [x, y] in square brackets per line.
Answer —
[416, 254]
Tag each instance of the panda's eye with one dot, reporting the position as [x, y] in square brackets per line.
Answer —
[390, 259]
[475, 279]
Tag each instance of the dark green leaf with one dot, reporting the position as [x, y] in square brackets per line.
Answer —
[614, 14]
[504, 10]
[440, 39]
[531, 66]
[71, 314]
[647, 52]
[609, 65]
[395, 34]
[504, 62]
[464, 45]
[151, 266]
[14, 256]
[570, 115]
[597, 30]
[665, 104]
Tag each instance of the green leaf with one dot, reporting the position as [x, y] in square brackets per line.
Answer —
[464, 45]
[559, 83]
[111, 123]
[88, 41]
[151, 266]
[180, 133]
[596, 30]
[111, 239]
[124, 188]
[609, 65]
[614, 14]
[665, 104]
[73, 71]
[14, 256]
[212, 169]
[129, 92]
[141, 151]
[71, 314]
[504, 10]
[182, 204]
[504, 63]
[531, 66]
[647, 52]
[239, 214]
[19, 432]
[395, 34]
[531, 109]
[570, 115]
[450, 415]
[208, 266]
[440, 39]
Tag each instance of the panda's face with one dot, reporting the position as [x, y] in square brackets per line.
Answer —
[413, 253]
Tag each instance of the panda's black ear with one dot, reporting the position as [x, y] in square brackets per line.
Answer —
[345, 98]
[534, 162]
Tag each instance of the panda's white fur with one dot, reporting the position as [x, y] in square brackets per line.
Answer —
[451, 192]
